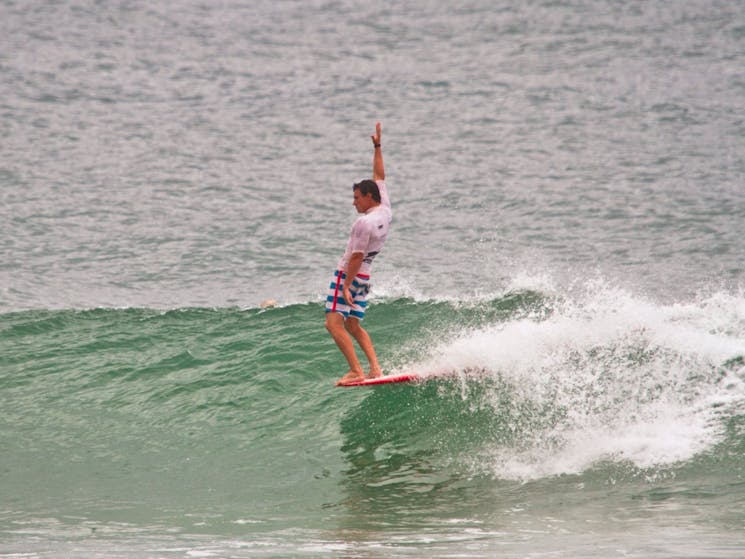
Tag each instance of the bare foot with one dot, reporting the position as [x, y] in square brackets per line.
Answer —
[351, 376]
[377, 373]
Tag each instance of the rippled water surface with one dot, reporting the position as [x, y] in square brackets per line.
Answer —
[565, 267]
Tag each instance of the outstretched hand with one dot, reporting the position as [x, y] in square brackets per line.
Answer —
[376, 136]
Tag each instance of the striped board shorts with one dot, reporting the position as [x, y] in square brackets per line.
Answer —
[335, 300]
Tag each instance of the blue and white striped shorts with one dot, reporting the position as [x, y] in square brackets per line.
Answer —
[360, 288]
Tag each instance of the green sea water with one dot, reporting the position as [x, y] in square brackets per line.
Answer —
[218, 432]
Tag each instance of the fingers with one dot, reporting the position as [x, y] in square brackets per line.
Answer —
[378, 131]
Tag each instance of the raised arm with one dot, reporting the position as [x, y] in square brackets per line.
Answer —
[378, 168]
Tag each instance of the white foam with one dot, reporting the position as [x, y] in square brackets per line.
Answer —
[626, 379]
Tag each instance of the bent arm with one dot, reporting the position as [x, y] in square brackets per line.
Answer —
[353, 268]
[378, 168]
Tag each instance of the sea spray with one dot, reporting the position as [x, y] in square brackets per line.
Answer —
[606, 377]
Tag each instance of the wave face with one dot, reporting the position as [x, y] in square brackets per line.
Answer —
[226, 421]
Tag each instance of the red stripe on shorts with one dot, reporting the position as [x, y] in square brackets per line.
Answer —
[336, 289]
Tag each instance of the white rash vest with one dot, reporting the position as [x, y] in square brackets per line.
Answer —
[369, 232]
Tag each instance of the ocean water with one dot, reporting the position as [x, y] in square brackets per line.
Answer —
[565, 269]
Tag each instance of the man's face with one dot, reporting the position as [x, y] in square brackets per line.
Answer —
[362, 203]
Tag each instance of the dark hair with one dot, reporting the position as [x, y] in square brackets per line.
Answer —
[366, 187]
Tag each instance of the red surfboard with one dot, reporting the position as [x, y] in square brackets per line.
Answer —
[402, 377]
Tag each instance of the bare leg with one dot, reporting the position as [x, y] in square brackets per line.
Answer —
[335, 326]
[363, 339]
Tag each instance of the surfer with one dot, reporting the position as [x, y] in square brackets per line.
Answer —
[350, 285]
